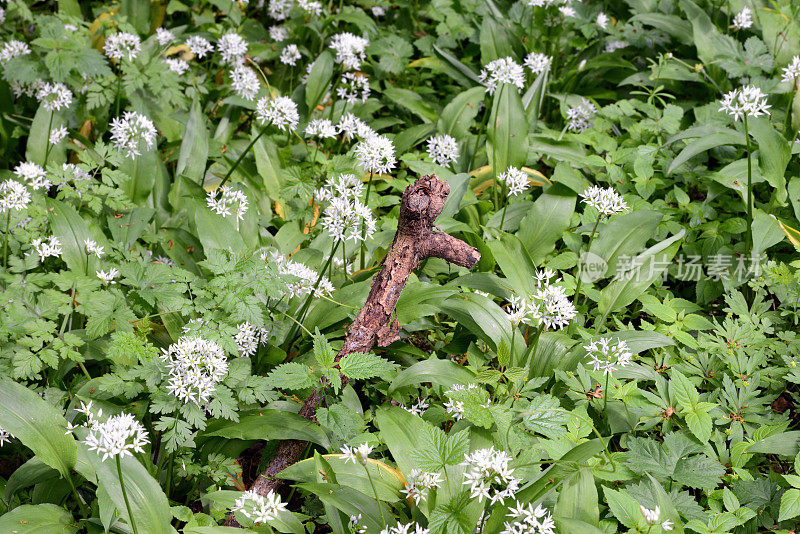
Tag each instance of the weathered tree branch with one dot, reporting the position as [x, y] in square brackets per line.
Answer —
[414, 241]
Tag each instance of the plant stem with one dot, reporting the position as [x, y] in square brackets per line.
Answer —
[578, 271]
[81, 504]
[749, 241]
[242, 155]
[5, 240]
[125, 496]
[364, 224]
[605, 393]
[375, 493]
[47, 150]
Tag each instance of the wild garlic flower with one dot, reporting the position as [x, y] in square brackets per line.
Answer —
[606, 356]
[278, 33]
[489, 476]
[306, 276]
[378, 11]
[354, 526]
[529, 520]
[602, 20]
[502, 70]
[13, 196]
[108, 276]
[322, 128]
[747, 101]
[280, 111]
[280, 9]
[516, 181]
[195, 366]
[538, 63]
[12, 49]
[354, 86]
[248, 337]
[311, 7]
[259, 509]
[33, 174]
[567, 11]
[791, 72]
[545, 3]
[613, 46]
[78, 174]
[346, 218]
[178, 66]
[455, 408]
[376, 154]
[401, 528]
[2, 20]
[117, 436]
[244, 82]
[581, 117]
[232, 47]
[47, 247]
[651, 517]
[131, 132]
[443, 149]
[227, 199]
[5, 436]
[164, 36]
[743, 19]
[517, 310]
[122, 45]
[199, 46]
[358, 454]
[605, 200]
[548, 306]
[290, 54]
[350, 49]
[93, 248]
[419, 482]
[344, 185]
[418, 408]
[351, 127]
[58, 134]
[54, 96]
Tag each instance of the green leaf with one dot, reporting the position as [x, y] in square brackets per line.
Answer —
[216, 232]
[38, 519]
[578, 499]
[319, 79]
[270, 425]
[72, 231]
[387, 481]
[513, 259]
[194, 146]
[683, 389]
[412, 101]
[495, 40]
[268, 164]
[352, 502]
[38, 425]
[441, 372]
[507, 133]
[544, 416]
[707, 137]
[624, 236]
[360, 366]
[456, 69]
[547, 220]
[625, 508]
[790, 504]
[460, 113]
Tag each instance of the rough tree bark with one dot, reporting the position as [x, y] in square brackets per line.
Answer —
[415, 240]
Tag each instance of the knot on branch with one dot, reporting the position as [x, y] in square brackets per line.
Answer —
[422, 202]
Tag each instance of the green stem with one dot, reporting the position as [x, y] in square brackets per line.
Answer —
[749, 242]
[363, 224]
[375, 493]
[787, 121]
[47, 150]
[5, 241]
[81, 504]
[578, 271]
[605, 393]
[125, 496]
[242, 155]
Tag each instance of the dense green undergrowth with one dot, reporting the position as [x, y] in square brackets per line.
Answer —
[195, 195]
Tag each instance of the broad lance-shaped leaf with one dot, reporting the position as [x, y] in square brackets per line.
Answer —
[547, 220]
[38, 519]
[319, 79]
[38, 425]
[442, 372]
[270, 425]
[194, 147]
[507, 131]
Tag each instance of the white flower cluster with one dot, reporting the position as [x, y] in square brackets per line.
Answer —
[651, 517]
[248, 337]
[307, 277]
[352, 127]
[418, 408]
[178, 66]
[244, 82]
[419, 482]
[232, 47]
[401, 528]
[502, 70]
[5, 436]
[93, 248]
[118, 436]
[529, 520]
[278, 33]
[548, 306]
[743, 19]
[311, 7]
[515, 180]
[13, 196]
[108, 276]
[259, 509]
[131, 131]
[538, 63]
[747, 101]
[350, 49]
[613, 46]
[322, 128]
[443, 149]
[280, 111]
[47, 247]
[54, 96]
[358, 454]
[33, 174]
[199, 46]
[12, 49]
[580, 117]
[602, 20]
[122, 45]
[791, 72]
[354, 86]
[605, 200]
[290, 54]
[376, 154]
[343, 185]
[164, 36]
[196, 366]
[606, 356]
[489, 476]
[456, 407]
[58, 134]
[280, 9]
[227, 199]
